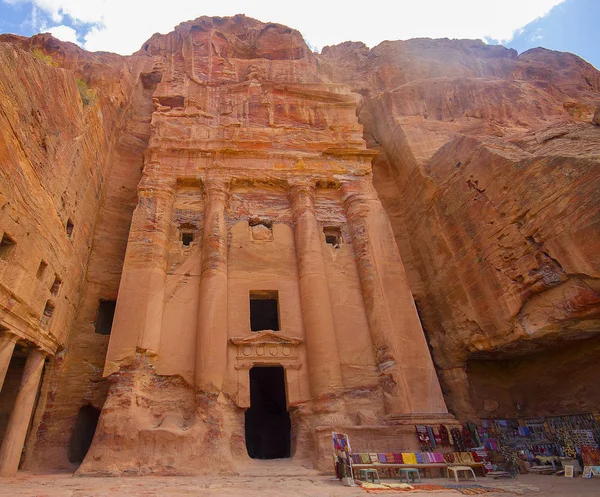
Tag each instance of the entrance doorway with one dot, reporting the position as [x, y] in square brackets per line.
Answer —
[268, 427]
[83, 433]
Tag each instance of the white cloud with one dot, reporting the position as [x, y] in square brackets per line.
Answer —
[64, 33]
[123, 25]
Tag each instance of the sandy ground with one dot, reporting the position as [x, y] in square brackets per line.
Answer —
[265, 480]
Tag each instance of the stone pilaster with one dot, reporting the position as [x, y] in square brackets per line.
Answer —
[211, 343]
[410, 381]
[7, 346]
[18, 423]
[325, 376]
[138, 316]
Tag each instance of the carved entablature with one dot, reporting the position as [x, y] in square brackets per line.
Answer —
[267, 347]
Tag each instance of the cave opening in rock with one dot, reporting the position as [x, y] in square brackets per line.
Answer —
[268, 426]
[553, 376]
[264, 310]
[83, 433]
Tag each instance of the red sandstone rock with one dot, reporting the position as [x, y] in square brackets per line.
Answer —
[489, 172]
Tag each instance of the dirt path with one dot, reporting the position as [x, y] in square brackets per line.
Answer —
[66, 485]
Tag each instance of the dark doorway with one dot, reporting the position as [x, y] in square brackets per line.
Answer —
[264, 310]
[268, 426]
[83, 433]
[105, 316]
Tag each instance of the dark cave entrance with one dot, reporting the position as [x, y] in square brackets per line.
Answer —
[268, 427]
[83, 433]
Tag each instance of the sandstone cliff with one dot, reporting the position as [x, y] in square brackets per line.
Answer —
[489, 167]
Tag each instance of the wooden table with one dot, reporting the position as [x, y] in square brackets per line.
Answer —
[391, 466]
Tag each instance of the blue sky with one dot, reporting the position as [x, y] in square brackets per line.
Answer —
[569, 27]
[122, 26]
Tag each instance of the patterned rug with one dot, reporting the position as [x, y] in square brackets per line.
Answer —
[394, 488]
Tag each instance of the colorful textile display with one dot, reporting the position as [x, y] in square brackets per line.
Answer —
[466, 436]
[459, 444]
[432, 444]
[409, 458]
[438, 457]
[423, 436]
[343, 460]
[591, 456]
[437, 436]
[444, 436]
[473, 434]
[449, 457]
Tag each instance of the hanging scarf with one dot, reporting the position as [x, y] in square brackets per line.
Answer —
[444, 436]
[459, 444]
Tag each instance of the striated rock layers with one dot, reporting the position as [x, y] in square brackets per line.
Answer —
[223, 186]
[490, 173]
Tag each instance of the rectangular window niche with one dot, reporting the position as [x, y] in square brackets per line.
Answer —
[47, 314]
[333, 236]
[264, 310]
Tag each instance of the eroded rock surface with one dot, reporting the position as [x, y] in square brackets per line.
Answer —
[490, 172]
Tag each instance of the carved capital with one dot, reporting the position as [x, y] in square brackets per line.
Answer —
[217, 190]
[302, 197]
[7, 336]
[356, 199]
[351, 192]
[153, 184]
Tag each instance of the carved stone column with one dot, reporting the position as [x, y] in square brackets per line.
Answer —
[410, 381]
[211, 338]
[18, 423]
[138, 315]
[325, 375]
[7, 346]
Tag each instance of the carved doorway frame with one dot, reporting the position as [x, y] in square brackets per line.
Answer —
[267, 348]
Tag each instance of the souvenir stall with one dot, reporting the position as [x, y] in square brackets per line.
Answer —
[547, 444]
[459, 444]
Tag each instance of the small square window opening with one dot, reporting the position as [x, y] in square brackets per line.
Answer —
[333, 236]
[187, 237]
